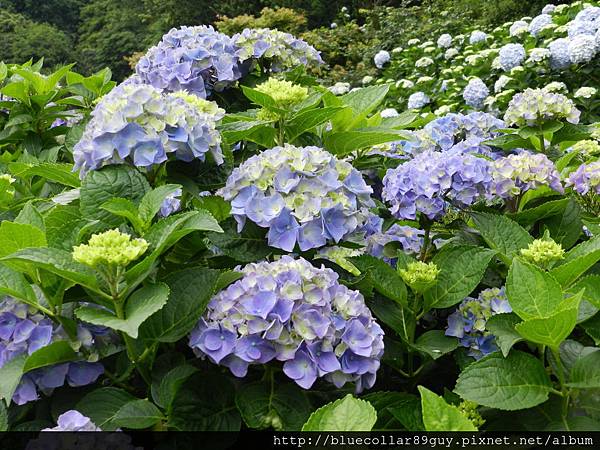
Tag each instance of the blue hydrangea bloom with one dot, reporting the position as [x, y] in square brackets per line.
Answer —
[432, 182]
[586, 179]
[24, 331]
[381, 58]
[511, 56]
[418, 100]
[582, 48]
[171, 204]
[539, 22]
[140, 125]
[291, 311]
[410, 239]
[560, 56]
[304, 195]
[73, 420]
[475, 93]
[468, 322]
[477, 37]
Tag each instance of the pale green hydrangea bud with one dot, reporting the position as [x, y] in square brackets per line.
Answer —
[111, 248]
[420, 276]
[586, 148]
[469, 409]
[542, 252]
[285, 93]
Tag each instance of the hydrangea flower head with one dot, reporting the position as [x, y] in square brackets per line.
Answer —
[23, 331]
[410, 239]
[381, 59]
[518, 27]
[340, 88]
[419, 275]
[586, 148]
[195, 59]
[285, 93]
[111, 248]
[73, 420]
[586, 179]
[418, 100]
[475, 93]
[303, 195]
[560, 56]
[444, 41]
[543, 252]
[389, 112]
[516, 174]
[537, 55]
[536, 106]
[548, 9]
[539, 22]
[582, 48]
[511, 55]
[139, 124]
[423, 62]
[291, 311]
[432, 182]
[585, 92]
[477, 37]
[468, 322]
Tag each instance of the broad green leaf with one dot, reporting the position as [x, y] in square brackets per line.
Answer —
[13, 283]
[440, 416]
[566, 228]
[548, 209]
[386, 280]
[435, 343]
[247, 246]
[403, 120]
[165, 390]
[502, 326]
[54, 353]
[509, 142]
[591, 284]
[519, 381]
[216, 205]
[102, 406]
[502, 234]
[137, 414]
[586, 372]
[18, 236]
[592, 328]
[125, 208]
[461, 270]
[262, 99]
[233, 132]
[577, 261]
[552, 330]
[29, 215]
[345, 142]
[152, 201]
[205, 402]
[10, 375]
[532, 293]
[58, 173]
[190, 291]
[577, 423]
[63, 223]
[400, 319]
[363, 101]
[99, 186]
[396, 410]
[306, 120]
[285, 407]
[345, 414]
[139, 306]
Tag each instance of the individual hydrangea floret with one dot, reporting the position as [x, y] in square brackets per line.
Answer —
[475, 93]
[171, 203]
[543, 252]
[585, 92]
[514, 175]
[303, 195]
[381, 59]
[582, 49]
[418, 100]
[538, 23]
[536, 106]
[23, 331]
[477, 37]
[432, 182]
[468, 322]
[195, 59]
[511, 55]
[560, 56]
[586, 179]
[444, 41]
[291, 311]
[111, 248]
[73, 420]
[140, 125]
[419, 275]
[276, 50]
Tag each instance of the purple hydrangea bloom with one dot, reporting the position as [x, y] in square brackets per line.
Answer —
[533, 107]
[418, 100]
[291, 311]
[139, 124]
[73, 420]
[586, 179]
[194, 59]
[432, 182]
[171, 203]
[410, 239]
[304, 195]
[475, 93]
[24, 331]
[468, 322]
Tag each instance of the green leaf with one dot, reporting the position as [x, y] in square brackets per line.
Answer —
[435, 343]
[216, 205]
[262, 99]
[396, 407]
[518, 382]
[233, 132]
[306, 120]
[283, 408]
[509, 142]
[29, 215]
[591, 284]
[164, 392]
[502, 326]
[58, 173]
[102, 405]
[461, 270]
[553, 330]
[99, 186]
[205, 402]
[345, 414]
[190, 291]
[137, 414]
[10, 375]
[345, 142]
[592, 328]
[566, 228]
[440, 416]
[63, 224]
[247, 246]
[17, 236]
[139, 306]
[502, 234]
[577, 262]
[152, 201]
[13, 283]
[548, 209]
[400, 319]
[3, 418]
[124, 208]
[385, 279]
[54, 353]
[586, 372]
[363, 101]
[532, 293]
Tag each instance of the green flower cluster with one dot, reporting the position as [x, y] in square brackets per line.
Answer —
[111, 248]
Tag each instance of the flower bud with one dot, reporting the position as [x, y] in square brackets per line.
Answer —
[111, 248]
[420, 276]
[542, 252]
